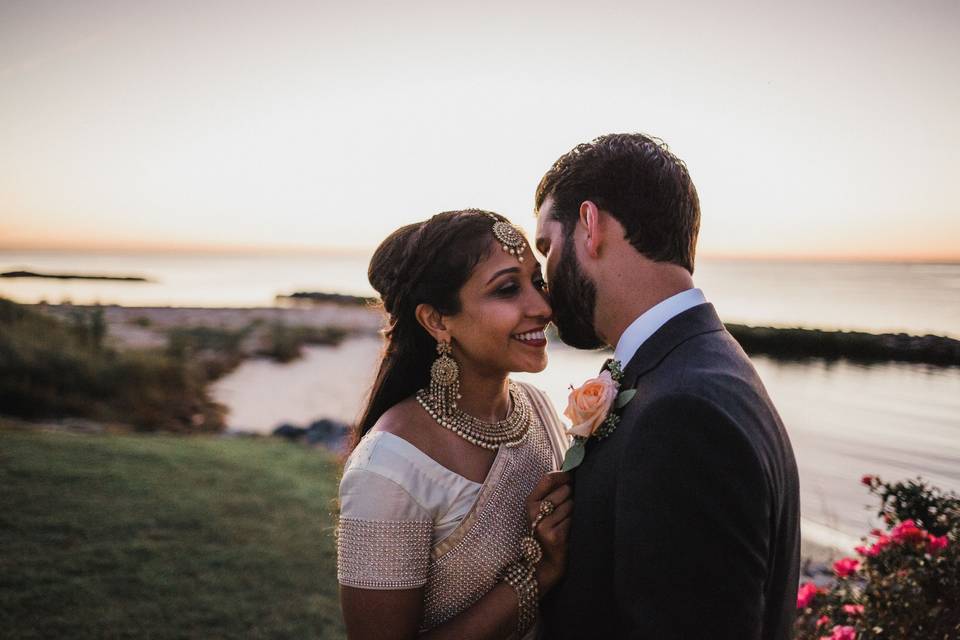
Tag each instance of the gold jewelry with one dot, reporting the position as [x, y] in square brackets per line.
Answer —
[546, 508]
[509, 237]
[522, 578]
[530, 550]
[445, 380]
[509, 432]
[530, 547]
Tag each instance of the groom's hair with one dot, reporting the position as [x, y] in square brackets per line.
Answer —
[639, 182]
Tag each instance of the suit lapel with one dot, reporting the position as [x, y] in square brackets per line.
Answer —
[692, 322]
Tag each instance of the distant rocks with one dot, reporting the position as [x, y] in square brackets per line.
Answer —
[321, 297]
[800, 344]
[331, 434]
[69, 276]
[819, 573]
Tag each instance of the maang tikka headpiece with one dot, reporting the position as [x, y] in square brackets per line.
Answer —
[509, 237]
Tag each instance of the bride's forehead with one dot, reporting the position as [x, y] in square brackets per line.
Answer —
[497, 260]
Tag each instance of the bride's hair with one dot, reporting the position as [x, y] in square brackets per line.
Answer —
[425, 262]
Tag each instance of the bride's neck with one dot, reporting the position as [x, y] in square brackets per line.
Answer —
[484, 396]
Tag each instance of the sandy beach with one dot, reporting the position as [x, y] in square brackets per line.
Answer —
[145, 327]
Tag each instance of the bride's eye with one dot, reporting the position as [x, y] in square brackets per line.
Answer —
[508, 290]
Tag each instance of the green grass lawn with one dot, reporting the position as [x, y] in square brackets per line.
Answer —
[114, 536]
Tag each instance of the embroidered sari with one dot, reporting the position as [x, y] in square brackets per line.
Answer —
[407, 524]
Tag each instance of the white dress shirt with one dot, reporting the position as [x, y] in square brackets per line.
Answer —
[652, 319]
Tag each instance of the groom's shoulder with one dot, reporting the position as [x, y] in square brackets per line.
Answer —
[708, 374]
[704, 363]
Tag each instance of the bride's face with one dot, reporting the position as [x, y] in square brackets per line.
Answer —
[504, 311]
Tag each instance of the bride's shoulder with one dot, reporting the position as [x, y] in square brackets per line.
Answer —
[406, 420]
[392, 445]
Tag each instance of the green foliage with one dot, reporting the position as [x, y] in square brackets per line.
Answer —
[214, 350]
[50, 369]
[905, 582]
[929, 507]
[284, 342]
[165, 537]
[89, 327]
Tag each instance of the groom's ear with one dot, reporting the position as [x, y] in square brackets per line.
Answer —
[590, 221]
[432, 320]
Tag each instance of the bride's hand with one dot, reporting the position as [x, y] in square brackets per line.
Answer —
[552, 531]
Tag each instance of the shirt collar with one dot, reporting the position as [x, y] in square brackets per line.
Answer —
[652, 319]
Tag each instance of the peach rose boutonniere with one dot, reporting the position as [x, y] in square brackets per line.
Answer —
[591, 408]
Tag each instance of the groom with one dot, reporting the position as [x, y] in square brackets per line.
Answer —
[686, 518]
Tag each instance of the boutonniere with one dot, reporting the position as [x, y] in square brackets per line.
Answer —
[591, 407]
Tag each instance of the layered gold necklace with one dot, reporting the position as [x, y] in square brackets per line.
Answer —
[509, 432]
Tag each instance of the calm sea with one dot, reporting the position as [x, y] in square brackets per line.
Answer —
[845, 420]
[917, 298]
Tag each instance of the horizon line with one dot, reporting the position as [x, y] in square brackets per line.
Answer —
[358, 250]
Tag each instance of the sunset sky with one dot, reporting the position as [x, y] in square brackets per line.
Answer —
[814, 129]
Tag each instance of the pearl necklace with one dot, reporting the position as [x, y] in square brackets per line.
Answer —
[510, 432]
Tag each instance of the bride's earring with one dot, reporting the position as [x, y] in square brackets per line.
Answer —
[445, 379]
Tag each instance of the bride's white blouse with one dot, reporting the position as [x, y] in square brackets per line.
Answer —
[388, 479]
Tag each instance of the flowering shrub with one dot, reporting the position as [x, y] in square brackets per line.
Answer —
[905, 582]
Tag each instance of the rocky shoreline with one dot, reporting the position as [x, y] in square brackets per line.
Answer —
[140, 327]
[801, 344]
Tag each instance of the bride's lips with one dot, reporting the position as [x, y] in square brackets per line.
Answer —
[534, 338]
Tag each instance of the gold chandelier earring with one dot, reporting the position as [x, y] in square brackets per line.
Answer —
[445, 379]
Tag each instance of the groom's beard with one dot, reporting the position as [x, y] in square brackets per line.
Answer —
[574, 297]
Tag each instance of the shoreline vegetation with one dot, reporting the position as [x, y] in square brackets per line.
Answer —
[150, 368]
[147, 369]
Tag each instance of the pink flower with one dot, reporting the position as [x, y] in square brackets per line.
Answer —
[853, 609]
[873, 550]
[882, 543]
[935, 543]
[823, 621]
[842, 633]
[589, 404]
[806, 594]
[908, 531]
[846, 567]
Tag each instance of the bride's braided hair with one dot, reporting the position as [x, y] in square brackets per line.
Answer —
[424, 262]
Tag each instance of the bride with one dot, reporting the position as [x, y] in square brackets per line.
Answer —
[453, 522]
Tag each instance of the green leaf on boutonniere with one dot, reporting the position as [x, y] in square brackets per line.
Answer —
[624, 397]
[574, 455]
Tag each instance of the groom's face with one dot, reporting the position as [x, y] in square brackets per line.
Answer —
[572, 293]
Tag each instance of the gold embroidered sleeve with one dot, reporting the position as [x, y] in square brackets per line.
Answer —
[380, 554]
[384, 536]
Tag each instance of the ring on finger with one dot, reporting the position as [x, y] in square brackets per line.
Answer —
[546, 508]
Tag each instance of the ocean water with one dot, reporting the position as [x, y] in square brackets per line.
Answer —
[911, 297]
[844, 420]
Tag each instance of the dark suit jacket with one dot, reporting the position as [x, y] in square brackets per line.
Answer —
[686, 519]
